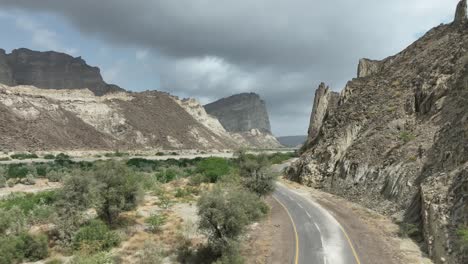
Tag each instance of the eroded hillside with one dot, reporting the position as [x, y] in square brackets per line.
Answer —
[396, 138]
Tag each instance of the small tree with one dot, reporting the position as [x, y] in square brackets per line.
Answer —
[256, 174]
[225, 213]
[119, 190]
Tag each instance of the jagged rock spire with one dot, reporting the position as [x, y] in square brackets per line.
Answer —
[460, 14]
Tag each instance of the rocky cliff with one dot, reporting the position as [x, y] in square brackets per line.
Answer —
[40, 119]
[51, 70]
[241, 113]
[245, 117]
[396, 140]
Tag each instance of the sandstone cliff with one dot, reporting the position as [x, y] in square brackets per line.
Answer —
[245, 117]
[397, 139]
[51, 70]
[241, 113]
[39, 119]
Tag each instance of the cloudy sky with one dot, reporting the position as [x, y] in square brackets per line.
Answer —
[208, 49]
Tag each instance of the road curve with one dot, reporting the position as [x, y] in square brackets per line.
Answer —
[319, 236]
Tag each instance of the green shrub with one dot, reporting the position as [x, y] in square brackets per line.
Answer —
[214, 168]
[463, 236]
[55, 176]
[28, 201]
[12, 221]
[4, 159]
[95, 237]
[22, 156]
[155, 222]
[17, 171]
[167, 175]
[3, 181]
[225, 214]
[15, 249]
[99, 258]
[117, 154]
[278, 158]
[35, 246]
[406, 136]
[160, 154]
[409, 230]
[41, 170]
[49, 156]
[119, 189]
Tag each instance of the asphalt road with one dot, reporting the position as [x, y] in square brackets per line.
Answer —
[319, 237]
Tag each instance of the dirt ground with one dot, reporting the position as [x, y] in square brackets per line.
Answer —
[375, 236]
[40, 186]
[272, 240]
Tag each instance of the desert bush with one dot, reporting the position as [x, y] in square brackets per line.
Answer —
[35, 246]
[3, 181]
[406, 136]
[28, 201]
[225, 213]
[12, 221]
[98, 258]
[17, 171]
[214, 168]
[150, 254]
[49, 156]
[165, 201]
[198, 179]
[15, 249]
[119, 190]
[55, 176]
[167, 174]
[256, 175]
[462, 233]
[95, 236]
[155, 222]
[41, 170]
[42, 214]
[22, 156]
[279, 157]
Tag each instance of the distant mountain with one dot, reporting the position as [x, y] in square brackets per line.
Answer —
[292, 141]
[51, 70]
[53, 101]
[245, 114]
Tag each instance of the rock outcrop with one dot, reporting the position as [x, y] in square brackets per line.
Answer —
[51, 70]
[460, 13]
[245, 117]
[367, 67]
[241, 113]
[397, 141]
[325, 101]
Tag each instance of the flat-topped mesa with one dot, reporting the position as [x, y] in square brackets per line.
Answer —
[367, 67]
[241, 113]
[51, 70]
[460, 13]
[324, 101]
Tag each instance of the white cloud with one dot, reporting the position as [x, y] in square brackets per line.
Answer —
[41, 36]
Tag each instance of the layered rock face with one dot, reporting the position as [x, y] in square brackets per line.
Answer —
[39, 119]
[241, 113]
[51, 70]
[397, 140]
[245, 117]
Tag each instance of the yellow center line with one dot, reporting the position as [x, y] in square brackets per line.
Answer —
[350, 243]
[296, 258]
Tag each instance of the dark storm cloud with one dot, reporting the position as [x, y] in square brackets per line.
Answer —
[281, 49]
